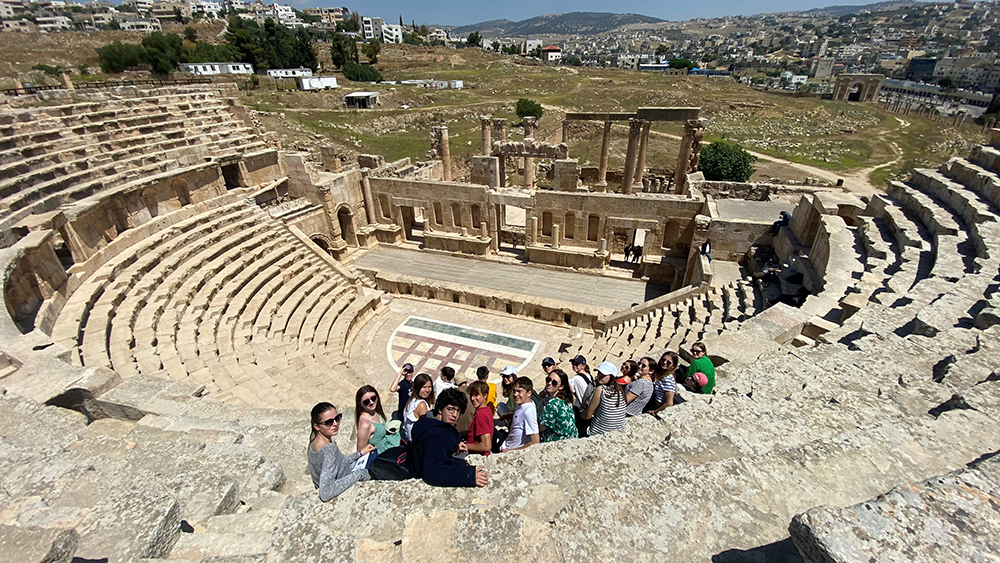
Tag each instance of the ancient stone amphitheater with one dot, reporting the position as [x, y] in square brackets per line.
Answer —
[179, 291]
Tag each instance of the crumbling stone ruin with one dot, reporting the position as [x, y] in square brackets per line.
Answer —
[179, 291]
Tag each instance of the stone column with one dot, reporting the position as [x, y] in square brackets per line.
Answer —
[67, 83]
[366, 191]
[634, 129]
[530, 125]
[428, 219]
[494, 229]
[331, 212]
[18, 86]
[602, 246]
[640, 164]
[529, 172]
[501, 171]
[483, 233]
[441, 139]
[555, 235]
[602, 170]
[690, 147]
[565, 131]
[533, 234]
[487, 145]
[499, 129]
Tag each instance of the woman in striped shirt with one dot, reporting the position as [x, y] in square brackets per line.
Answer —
[607, 407]
[665, 386]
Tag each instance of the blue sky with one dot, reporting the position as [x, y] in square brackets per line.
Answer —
[463, 12]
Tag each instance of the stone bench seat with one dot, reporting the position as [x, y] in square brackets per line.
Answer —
[122, 275]
[184, 100]
[77, 134]
[318, 331]
[111, 261]
[109, 120]
[360, 308]
[88, 181]
[271, 311]
[937, 219]
[279, 323]
[89, 149]
[147, 294]
[296, 324]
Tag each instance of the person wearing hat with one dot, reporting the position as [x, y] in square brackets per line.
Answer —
[402, 385]
[606, 411]
[583, 386]
[506, 410]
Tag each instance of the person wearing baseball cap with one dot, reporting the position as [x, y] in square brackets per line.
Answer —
[606, 411]
[583, 386]
[548, 364]
[402, 385]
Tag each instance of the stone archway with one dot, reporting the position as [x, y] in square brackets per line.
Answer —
[855, 92]
[323, 241]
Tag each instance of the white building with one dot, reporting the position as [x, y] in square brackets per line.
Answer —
[140, 25]
[52, 24]
[392, 33]
[371, 28]
[234, 5]
[139, 5]
[207, 8]
[289, 72]
[6, 10]
[551, 54]
[438, 35]
[19, 26]
[317, 82]
[532, 44]
[210, 69]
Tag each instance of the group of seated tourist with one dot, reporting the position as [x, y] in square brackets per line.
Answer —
[433, 429]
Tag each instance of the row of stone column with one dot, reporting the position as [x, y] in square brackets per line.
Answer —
[532, 235]
[498, 127]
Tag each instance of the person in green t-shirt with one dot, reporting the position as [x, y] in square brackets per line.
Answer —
[701, 363]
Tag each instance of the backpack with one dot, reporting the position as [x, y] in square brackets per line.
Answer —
[583, 401]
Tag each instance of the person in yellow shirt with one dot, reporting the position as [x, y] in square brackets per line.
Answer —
[482, 373]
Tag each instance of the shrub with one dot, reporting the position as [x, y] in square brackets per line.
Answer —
[726, 161]
[361, 73]
[118, 57]
[526, 107]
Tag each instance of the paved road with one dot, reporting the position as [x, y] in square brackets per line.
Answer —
[526, 280]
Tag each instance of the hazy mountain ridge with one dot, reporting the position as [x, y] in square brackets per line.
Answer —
[574, 23]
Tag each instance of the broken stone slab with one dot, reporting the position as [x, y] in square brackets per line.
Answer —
[947, 518]
[990, 316]
[138, 524]
[37, 545]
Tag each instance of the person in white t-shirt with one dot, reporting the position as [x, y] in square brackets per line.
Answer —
[524, 427]
[445, 381]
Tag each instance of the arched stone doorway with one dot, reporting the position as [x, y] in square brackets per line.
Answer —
[855, 92]
[345, 217]
[323, 242]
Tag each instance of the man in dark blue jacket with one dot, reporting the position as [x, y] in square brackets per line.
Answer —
[436, 441]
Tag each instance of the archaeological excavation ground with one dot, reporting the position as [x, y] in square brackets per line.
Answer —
[180, 289]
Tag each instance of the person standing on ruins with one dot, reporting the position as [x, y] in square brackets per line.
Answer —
[402, 385]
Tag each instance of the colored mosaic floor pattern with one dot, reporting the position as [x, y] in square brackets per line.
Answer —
[430, 344]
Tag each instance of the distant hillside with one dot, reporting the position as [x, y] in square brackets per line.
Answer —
[575, 23]
[837, 11]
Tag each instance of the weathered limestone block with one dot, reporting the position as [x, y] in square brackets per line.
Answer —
[530, 148]
[947, 518]
[567, 175]
[37, 545]
[372, 161]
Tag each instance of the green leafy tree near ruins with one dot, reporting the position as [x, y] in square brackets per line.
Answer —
[528, 108]
[271, 45]
[726, 161]
[474, 39]
[361, 73]
[191, 34]
[343, 50]
[371, 49]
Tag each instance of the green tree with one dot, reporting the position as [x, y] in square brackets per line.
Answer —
[474, 39]
[178, 15]
[343, 50]
[947, 83]
[191, 34]
[361, 73]
[118, 57]
[572, 60]
[164, 51]
[303, 54]
[371, 49]
[680, 63]
[726, 161]
[662, 49]
[526, 107]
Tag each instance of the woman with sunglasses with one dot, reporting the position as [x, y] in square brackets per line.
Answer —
[628, 370]
[606, 412]
[639, 392]
[421, 401]
[369, 419]
[665, 382]
[330, 469]
[558, 422]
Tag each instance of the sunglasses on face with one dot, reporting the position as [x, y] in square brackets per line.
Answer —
[553, 382]
[331, 421]
[369, 401]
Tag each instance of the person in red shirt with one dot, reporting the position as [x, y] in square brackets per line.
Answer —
[480, 438]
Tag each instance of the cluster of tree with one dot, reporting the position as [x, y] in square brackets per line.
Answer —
[361, 73]
[474, 39]
[726, 161]
[343, 50]
[161, 53]
[271, 45]
[681, 63]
